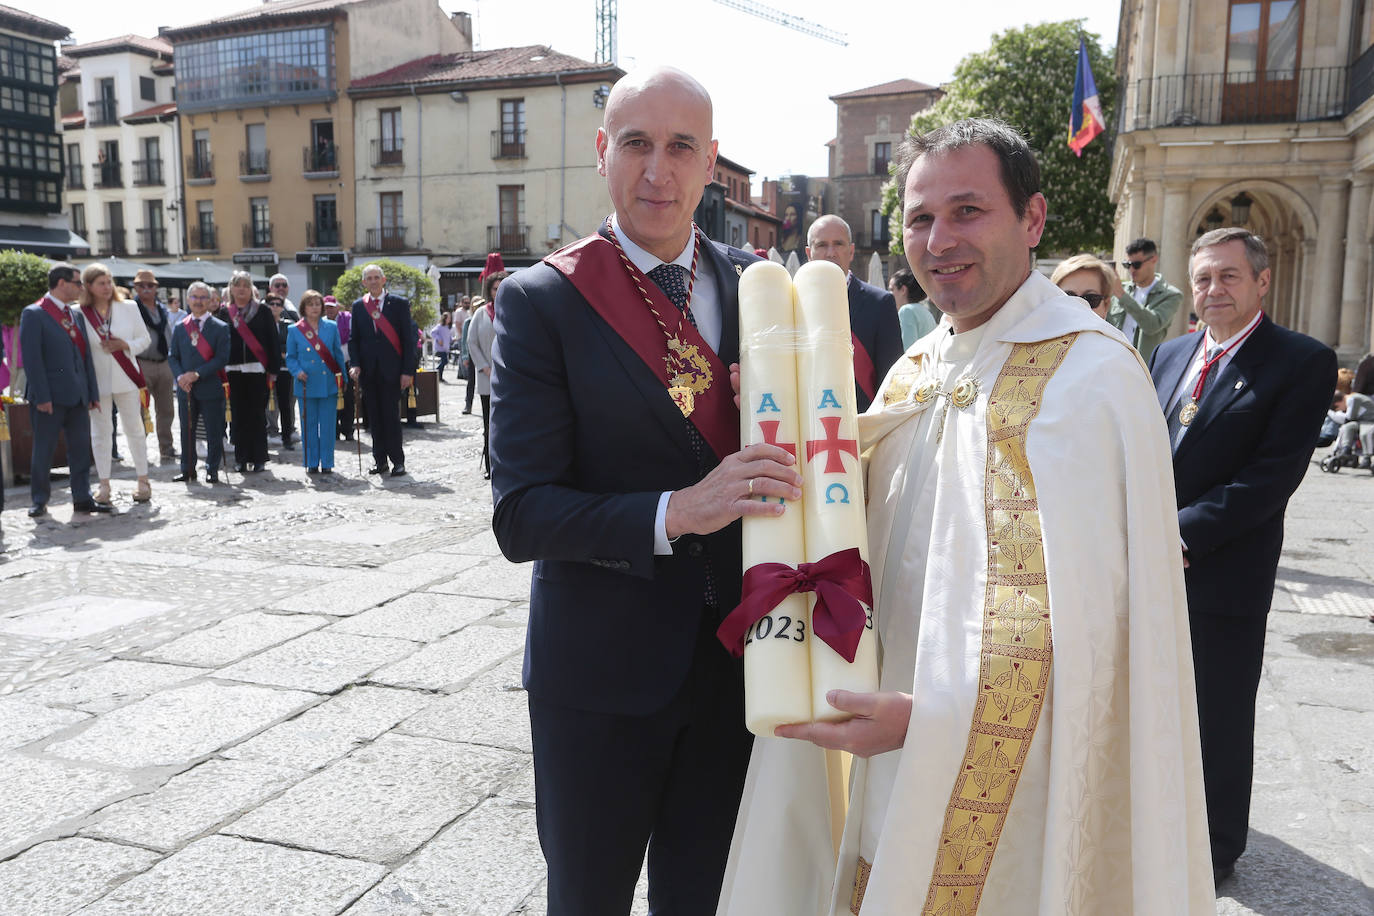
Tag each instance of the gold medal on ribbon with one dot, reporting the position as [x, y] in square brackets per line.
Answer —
[1188, 412]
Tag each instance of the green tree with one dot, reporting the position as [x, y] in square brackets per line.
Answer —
[401, 279]
[1026, 78]
[23, 279]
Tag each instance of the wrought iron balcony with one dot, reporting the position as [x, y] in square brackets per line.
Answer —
[508, 144]
[320, 160]
[322, 235]
[107, 175]
[111, 242]
[1361, 80]
[1247, 97]
[388, 151]
[386, 238]
[255, 163]
[75, 176]
[102, 113]
[200, 167]
[152, 241]
[257, 235]
[204, 238]
[147, 172]
[508, 239]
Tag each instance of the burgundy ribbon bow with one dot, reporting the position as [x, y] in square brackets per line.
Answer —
[841, 581]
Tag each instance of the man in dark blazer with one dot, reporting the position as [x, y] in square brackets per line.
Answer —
[1244, 403]
[61, 389]
[872, 311]
[198, 355]
[383, 359]
[627, 498]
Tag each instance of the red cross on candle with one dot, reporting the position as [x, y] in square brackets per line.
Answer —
[832, 445]
[770, 436]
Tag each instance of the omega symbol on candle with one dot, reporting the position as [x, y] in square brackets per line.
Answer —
[830, 494]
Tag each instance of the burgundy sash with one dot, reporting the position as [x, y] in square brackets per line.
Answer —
[202, 345]
[865, 373]
[382, 323]
[594, 268]
[121, 356]
[249, 338]
[64, 319]
[318, 346]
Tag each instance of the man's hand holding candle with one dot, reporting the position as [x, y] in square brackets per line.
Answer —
[729, 491]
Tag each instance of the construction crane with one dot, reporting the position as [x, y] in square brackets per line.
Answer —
[786, 20]
[607, 49]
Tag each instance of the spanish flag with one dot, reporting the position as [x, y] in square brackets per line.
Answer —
[1085, 120]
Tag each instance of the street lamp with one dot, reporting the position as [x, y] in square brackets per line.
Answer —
[1213, 219]
[1240, 208]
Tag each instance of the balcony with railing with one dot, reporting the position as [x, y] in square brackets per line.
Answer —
[388, 151]
[255, 165]
[107, 175]
[203, 238]
[386, 238]
[320, 161]
[1246, 97]
[200, 168]
[75, 176]
[322, 234]
[257, 235]
[1361, 80]
[111, 242]
[147, 172]
[508, 144]
[102, 113]
[152, 241]
[508, 239]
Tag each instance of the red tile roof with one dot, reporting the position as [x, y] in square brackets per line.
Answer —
[74, 120]
[29, 24]
[153, 47]
[895, 87]
[497, 63]
[151, 114]
[262, 13]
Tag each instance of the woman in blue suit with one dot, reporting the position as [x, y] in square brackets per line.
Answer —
[316, 384]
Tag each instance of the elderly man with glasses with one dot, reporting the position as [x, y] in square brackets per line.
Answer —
[280, 286]
[1143, 308]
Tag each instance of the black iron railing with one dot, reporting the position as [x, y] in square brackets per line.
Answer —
[147, 172]
[255, 162]
[1361, 80]
[508, 144]
[257, 235]
[204, 238]
[152, 241]
[388, 152]
[387, 238]
[107, 175]
[102, 113]
[1251, 97]
[323, 158]
[200, 167]
[111, 241]
[322, 235]
[508, 239]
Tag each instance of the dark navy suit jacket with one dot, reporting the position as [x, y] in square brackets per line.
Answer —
[185, 357]
[53, 366]
[873, 319]
[584, 439]
[369, 349]
[1242, 458]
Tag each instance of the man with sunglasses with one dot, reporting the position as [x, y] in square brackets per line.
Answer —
[152, 362]
[1149, 302]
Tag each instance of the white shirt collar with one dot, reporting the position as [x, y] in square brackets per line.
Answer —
[1211, 341]
[645, 261]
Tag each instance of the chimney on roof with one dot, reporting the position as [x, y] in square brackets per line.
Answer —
[463, 23]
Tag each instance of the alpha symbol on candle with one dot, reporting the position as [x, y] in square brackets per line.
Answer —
[832, 445]
[770, 436]
[767, 404]
[828, 400]
[830, 493]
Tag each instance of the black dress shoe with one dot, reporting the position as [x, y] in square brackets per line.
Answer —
[467, 411]
[326, 470]
[312, 470]
[1220, 873]
[286, 444]
[377, 469]
[398, 471]
[93, 508]
[257, 467]
[212, 476]
[38, 511]
[241, 468]
[184, 478]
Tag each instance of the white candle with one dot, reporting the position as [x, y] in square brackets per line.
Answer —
[832, 492]
[777, 661]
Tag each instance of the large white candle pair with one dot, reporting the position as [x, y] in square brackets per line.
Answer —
[797, 391]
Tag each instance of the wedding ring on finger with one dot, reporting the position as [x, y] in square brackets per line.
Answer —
[751, 487]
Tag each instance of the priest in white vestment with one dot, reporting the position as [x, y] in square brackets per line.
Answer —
[1034, 746]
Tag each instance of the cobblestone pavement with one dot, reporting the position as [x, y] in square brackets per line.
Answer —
[297, 695]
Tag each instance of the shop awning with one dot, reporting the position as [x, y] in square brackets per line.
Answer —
[49, 243]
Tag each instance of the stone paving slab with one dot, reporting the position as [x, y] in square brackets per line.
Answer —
[446, 664]
[36, 796]
[383, 801]
[175, 727]
[232, 639]
[419, 617]
[191, 803]
[109, 685]
[495, 579]
[334, 729]
[492, 710]
[77, 616]
[42, 881]
[226, 876]
[487, 863]
[482, 545]
[422, 569]
[351, 594]
[23, 721]
[322, 662]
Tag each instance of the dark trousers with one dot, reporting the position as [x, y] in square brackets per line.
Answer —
[209, 411]
[345, 419]
[1228, 653]
[472, 380]
[286, 406]
[443, 361]
[74, 421]
[248, 405]
[486, 432]
[607, 786]
[382, 401]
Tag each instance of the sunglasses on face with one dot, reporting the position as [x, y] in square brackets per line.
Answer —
[1134, 265]
[145, 286]
[1093, 299]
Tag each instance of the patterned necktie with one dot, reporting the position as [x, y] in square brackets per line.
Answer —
[671, 278]
[1176, 427]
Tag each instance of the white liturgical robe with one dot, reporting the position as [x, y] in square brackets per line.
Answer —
[1029, 596]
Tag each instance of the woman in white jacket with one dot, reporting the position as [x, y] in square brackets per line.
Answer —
[116, 334]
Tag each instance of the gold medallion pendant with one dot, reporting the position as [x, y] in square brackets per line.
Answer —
[689, 374]
[1187, 412]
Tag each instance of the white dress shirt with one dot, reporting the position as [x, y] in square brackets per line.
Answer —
[1189, 381]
